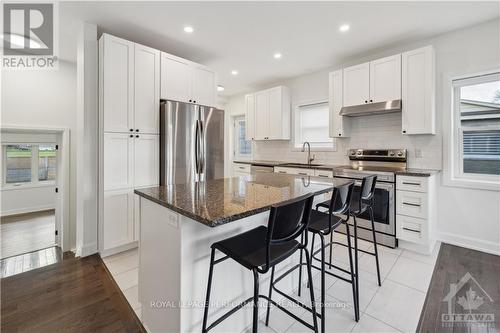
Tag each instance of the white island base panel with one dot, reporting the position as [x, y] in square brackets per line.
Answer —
[174, 259]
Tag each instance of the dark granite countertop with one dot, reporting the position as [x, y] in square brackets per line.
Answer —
[417, 172]
[220, 201]
[260, 162]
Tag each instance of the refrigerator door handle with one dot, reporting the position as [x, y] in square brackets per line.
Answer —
[197, 147]
[202, 150]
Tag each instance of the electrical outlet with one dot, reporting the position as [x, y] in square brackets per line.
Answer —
[418, 153]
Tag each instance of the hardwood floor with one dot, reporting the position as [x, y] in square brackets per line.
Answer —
[27, 233]
[76, 295]
[476, 276]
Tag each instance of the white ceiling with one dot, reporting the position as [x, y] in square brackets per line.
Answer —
[245, 35]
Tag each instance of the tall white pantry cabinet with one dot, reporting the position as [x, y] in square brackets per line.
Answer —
[129, 97]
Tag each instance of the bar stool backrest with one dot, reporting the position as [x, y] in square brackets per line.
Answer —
[368, 188]
[341, 199]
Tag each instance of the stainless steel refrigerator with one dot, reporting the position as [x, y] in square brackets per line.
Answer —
[191, 142]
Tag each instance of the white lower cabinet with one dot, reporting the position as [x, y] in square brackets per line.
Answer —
[294, 171]
[241, 169]
[146, 160]
[416, 209]
[118, 228]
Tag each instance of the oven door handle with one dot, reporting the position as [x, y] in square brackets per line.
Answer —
[383, 186]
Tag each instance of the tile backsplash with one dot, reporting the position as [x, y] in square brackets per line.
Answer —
[371, 132]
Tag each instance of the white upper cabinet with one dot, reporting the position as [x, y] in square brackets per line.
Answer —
[371, 82]
[147, 89]
[356, 84]
[117, 81]
[385, 79]
[204, 86]
[271, 114]
[418, 91]
[250, 116]
[262, 115]
[186, 81]
[279, 113]
[146, 160]
[175, 78]
[339, 126]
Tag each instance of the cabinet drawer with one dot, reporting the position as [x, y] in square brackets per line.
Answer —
[411, 229]
[323, 173]
[414, 184]
[295, 171]
[240, 167]
[411, 204]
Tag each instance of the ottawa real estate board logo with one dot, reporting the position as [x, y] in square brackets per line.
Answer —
[29, 36]
[467, 302]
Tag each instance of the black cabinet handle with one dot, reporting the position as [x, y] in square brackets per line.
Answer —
[137, 130]
[131, 130]
[366, 101]
[408, 229]
[408, 183]
[131, 135]
[136, 136]
[194, 101]
[302, 173]
[411, 204]
[371, 100]
[404, 131]
[340, 134]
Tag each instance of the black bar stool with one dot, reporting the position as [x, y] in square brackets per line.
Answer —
[261, 249]
[359, 205]
[323, 224]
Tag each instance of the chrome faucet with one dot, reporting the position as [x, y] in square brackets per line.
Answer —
[309, 159]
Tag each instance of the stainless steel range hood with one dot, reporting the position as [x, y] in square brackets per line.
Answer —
[371, 108]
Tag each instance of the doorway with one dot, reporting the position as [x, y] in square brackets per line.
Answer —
[33, 203]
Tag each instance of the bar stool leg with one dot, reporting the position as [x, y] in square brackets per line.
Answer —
[322, 304]
[207, 300]
[375, 245]
[312, 251]
[255, 301]
[351, 268]
[300, 266]
[311, 291]
[270, 292]
[356, 263]
[331, 248]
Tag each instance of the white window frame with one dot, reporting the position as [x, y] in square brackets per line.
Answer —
[297, 140]
[34, 168]
[236, 141]
[453, 135]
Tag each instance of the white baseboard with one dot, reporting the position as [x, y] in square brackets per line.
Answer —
[469, 242]
[26, 210]
[87, 250]
[118, 249]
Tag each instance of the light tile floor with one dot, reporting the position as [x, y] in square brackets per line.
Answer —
[393, 307]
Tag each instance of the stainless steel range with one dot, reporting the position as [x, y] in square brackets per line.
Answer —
[384, 163]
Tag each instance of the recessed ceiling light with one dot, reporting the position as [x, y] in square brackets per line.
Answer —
[234, 72]
[188, 29]
[220, 88]
[277, 55]
[344, 28]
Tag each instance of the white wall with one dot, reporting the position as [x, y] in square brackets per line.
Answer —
[467, 217]
[44, 99]
[27, 199]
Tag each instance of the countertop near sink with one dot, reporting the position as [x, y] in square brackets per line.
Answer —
[417, 172]
[261, 163]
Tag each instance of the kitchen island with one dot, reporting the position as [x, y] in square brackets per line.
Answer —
[178, 223]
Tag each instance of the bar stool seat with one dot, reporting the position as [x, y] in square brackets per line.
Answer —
[360, 209]
[249, 248]
[320, 222]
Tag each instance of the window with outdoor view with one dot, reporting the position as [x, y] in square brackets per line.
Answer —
[477, 110]
[26, 164]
